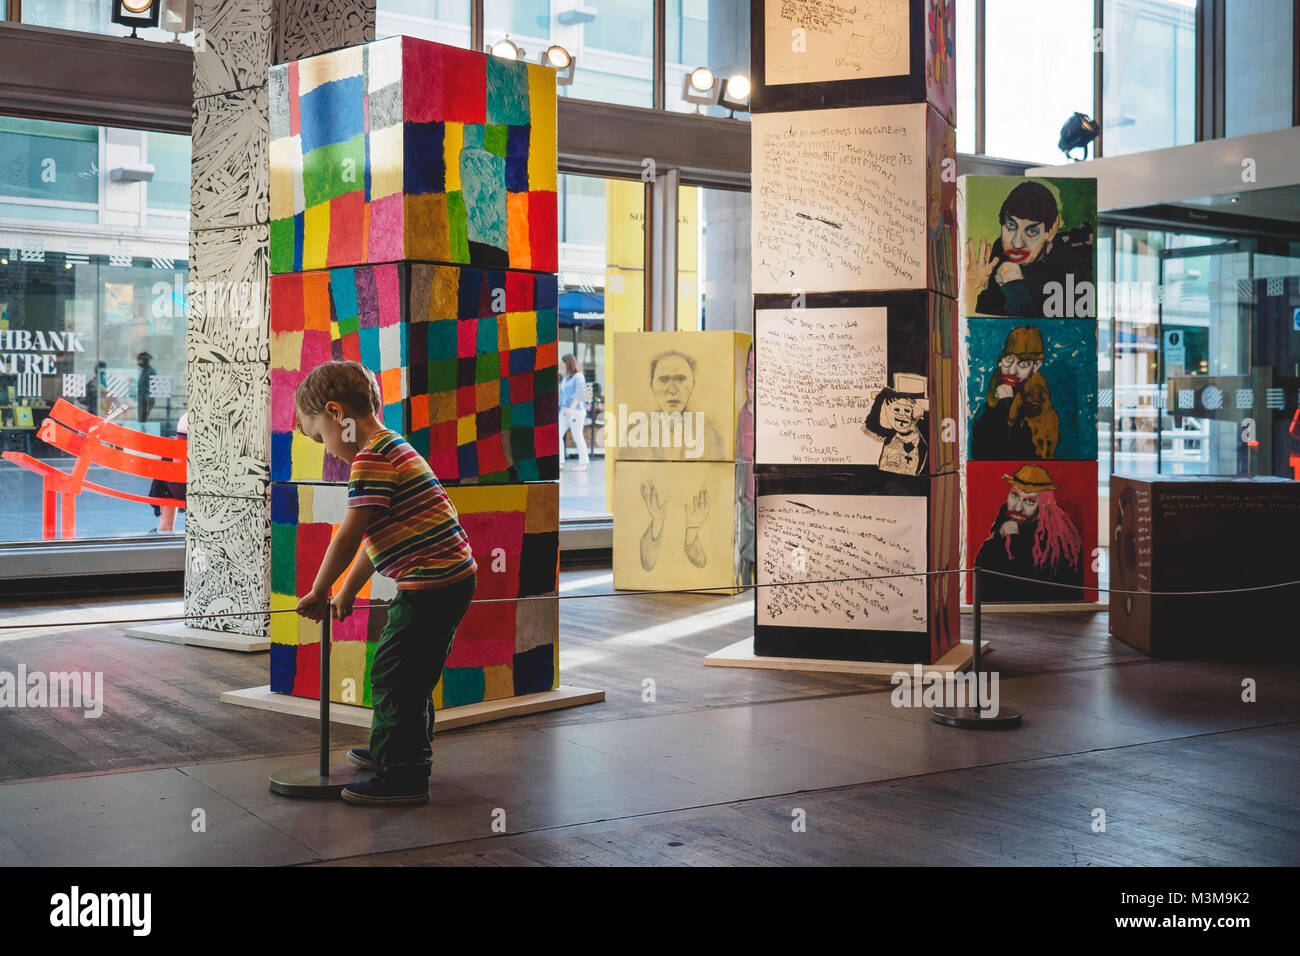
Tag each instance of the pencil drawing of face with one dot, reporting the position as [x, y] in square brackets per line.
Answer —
[672, 379]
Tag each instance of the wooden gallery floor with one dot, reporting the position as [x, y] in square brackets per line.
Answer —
[712, 768]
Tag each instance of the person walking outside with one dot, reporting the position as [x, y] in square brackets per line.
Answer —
[573, 410]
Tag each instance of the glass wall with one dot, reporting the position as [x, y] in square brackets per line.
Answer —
[1197, 342]
[1258, 60]
[1149, 75]
[444, 21]
[612, 42]
[1038, 66]
[711, 33]
[92, 307]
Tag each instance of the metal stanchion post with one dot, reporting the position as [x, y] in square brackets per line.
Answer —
[979, 717]
[323, 780]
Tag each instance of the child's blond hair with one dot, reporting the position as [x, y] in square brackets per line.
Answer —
[350, 384]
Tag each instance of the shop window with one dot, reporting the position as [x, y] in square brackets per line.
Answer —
[612, 41]
[92, 306]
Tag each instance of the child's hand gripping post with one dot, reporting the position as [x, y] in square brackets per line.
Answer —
[339, 554]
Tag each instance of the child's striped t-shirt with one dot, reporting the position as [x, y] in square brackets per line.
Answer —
[414, 537]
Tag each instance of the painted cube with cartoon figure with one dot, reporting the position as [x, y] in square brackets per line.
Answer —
[862, 381]
[407, 149]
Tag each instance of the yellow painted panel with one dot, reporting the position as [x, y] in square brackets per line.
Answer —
[698, 496]
[316, 236]
[453, 140]
[541, 145]
[308, 457]
[476, 498]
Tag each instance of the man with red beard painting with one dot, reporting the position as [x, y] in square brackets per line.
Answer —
[1032, 537]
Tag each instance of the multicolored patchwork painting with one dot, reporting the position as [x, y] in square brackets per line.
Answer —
[501, 649]
[316, 317]
[466, 361]
[483, 374]
[407, 149]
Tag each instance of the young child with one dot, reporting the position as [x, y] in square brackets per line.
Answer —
[400, 512]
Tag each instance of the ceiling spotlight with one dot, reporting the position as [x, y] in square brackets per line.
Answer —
[700, 86]
[1077, 133]
[735, 93]
[135, 14]
[561, 61]
[507, 49]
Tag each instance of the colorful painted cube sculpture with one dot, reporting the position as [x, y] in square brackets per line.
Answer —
[466, 362]
[407, 149]
[413, 229]
[502, 649]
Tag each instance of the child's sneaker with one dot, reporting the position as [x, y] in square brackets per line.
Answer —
[360, 757]
[387, 791]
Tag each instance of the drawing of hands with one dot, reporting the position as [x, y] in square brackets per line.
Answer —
[655, 506]
[697, 511]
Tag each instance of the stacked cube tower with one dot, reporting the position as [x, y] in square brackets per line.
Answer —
[413, 229]
[854, 280]
[1034, 337]
[678, 470]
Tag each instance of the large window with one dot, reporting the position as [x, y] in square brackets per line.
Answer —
[1149, 69]
[1038, 65]
[602, 270]
[89, 16]
[612, 41]
[444, 21]
[711, 33]
[1257, 64]
[966, 117]
[93, 273]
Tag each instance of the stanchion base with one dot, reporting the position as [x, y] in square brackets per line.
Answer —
[308, 782]
[975, 718]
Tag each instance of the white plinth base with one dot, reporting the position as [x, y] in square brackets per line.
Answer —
[262, 698]
[1046, 607]
[741, 654]
[178, 633]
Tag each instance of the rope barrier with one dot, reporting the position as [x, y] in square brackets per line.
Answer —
[739, 589]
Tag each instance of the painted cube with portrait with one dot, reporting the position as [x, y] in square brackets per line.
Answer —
[677, 396]
[1028, 246]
